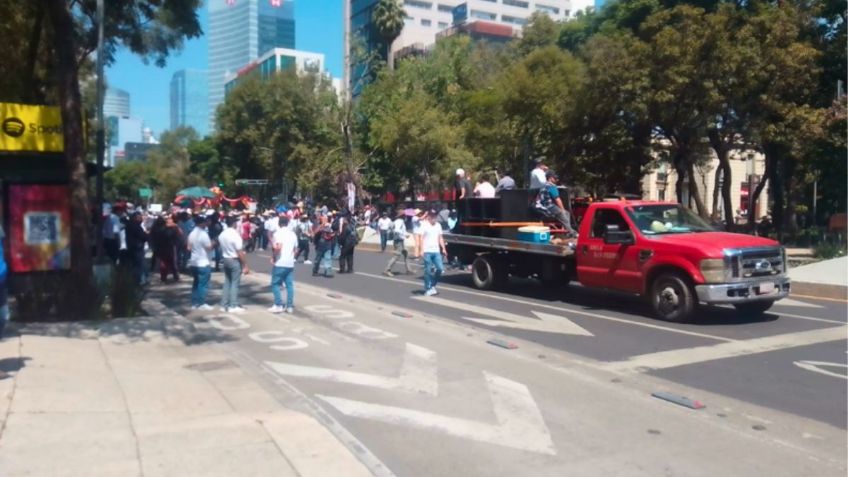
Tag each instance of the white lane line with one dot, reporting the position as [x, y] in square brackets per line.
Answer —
[808, 318]
[520, 424]
[819, 367]
[796, 303]
[545, 323]
[418, 373]
[565, 310]
[700, 354]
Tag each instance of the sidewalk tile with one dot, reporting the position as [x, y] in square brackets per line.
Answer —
[170, 433]
[255, 460]
[179, 392]
[50, 443]
[63, 390]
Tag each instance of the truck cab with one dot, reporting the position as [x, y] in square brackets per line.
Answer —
[674, 258]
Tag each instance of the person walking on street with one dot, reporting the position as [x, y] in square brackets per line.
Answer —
[384, 226]
[304, 236]
[399, 242]
[347, 241]
[215, 229]
[186, 226]
[416, 233]
[233, 256]
[433, 244]
[166, 242]
[136, 238]
[284, 248]
[324, 240]
[200, 246]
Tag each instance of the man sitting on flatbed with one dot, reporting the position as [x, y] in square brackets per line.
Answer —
[549, 204]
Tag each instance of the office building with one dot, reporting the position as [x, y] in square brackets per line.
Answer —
[121, 130]
[275, 60]
[190, 100]
[116, 102]
[425, 19]
[239, 32]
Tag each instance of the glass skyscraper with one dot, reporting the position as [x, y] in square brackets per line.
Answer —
[190, 100]
[239, 32]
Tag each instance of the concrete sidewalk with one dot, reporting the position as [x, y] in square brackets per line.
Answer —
[825, 279]
[148, 396]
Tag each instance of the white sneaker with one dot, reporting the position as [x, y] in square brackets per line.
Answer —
[275, 309]
[236, 310]
[307, 262]
[223, 309]
[435, 292]
[205, 307]
[290, 310]
[430, 292]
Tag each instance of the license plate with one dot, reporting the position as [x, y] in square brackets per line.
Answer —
[766, 288]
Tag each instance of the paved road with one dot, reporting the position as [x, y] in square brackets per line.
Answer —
[426, 395]
[796, 332]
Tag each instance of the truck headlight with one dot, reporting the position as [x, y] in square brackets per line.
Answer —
[714, 270]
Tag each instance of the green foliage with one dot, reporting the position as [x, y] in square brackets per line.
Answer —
[124, 180]
[828, 250]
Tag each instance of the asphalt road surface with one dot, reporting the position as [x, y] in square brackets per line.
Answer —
[411, 384]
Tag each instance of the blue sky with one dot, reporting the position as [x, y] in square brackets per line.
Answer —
[319, 29]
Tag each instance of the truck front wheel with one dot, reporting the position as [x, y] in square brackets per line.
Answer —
[754, 308]
[672, 298]
[487, 273]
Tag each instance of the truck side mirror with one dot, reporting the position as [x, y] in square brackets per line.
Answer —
[615, 236]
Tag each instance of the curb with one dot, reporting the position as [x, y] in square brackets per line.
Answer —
[820, 290]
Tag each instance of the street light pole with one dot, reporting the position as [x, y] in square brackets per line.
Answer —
[101, 134]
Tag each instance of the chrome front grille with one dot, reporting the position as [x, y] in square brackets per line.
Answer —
[756, 262]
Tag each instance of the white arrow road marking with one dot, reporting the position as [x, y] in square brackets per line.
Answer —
[796, 303]
[547, 322]
[519, 422]
[417, 374]
[818, 367]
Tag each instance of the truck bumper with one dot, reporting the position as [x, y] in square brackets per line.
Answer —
[744, 292]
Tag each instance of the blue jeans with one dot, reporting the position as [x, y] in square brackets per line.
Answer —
[280, 275]
[232, 280]
[138, 266]
[200, 284]
[432, 260]
[384, 240]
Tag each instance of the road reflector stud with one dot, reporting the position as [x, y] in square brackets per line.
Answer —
[679, 400]
[402, 314]
[502, 343]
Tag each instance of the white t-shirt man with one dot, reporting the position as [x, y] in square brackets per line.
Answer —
[272, 224]
[485, 190]
[287, 241]
[432, 235]
[384, 224]
[200, 244]
[537, 178]
[399, 229]
[231, 243]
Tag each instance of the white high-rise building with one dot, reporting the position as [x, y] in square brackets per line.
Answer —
[240, 31]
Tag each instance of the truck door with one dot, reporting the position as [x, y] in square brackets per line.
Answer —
[605, 265]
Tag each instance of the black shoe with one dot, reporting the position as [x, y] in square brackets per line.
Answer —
[314, 274]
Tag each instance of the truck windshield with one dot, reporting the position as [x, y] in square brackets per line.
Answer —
[662, 219]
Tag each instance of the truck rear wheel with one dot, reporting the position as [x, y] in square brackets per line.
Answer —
[487, 273]
[754, 308]
[672, 298]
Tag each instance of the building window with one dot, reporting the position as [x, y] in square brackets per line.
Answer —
[483, 15]
[445, 8]
[426, 23]
[517, 3]
[442, 25]
[548, 9]
[408, 20]
[418, 4]
[513, 20]
[568, 13]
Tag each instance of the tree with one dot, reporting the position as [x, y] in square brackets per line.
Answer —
[388, 18]
[149, 29]
[171, 163]
[125, 179]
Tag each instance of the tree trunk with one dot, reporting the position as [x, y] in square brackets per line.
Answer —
[725, 194]
[694, 191]
[79, 292]
[752, 226]
[34, 93]
[716, 189]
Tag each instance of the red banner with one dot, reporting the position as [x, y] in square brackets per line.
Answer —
[40, 223]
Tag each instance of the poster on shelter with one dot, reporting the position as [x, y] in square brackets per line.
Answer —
[40, 223]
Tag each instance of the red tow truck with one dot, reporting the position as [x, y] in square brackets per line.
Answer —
[658, 250]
